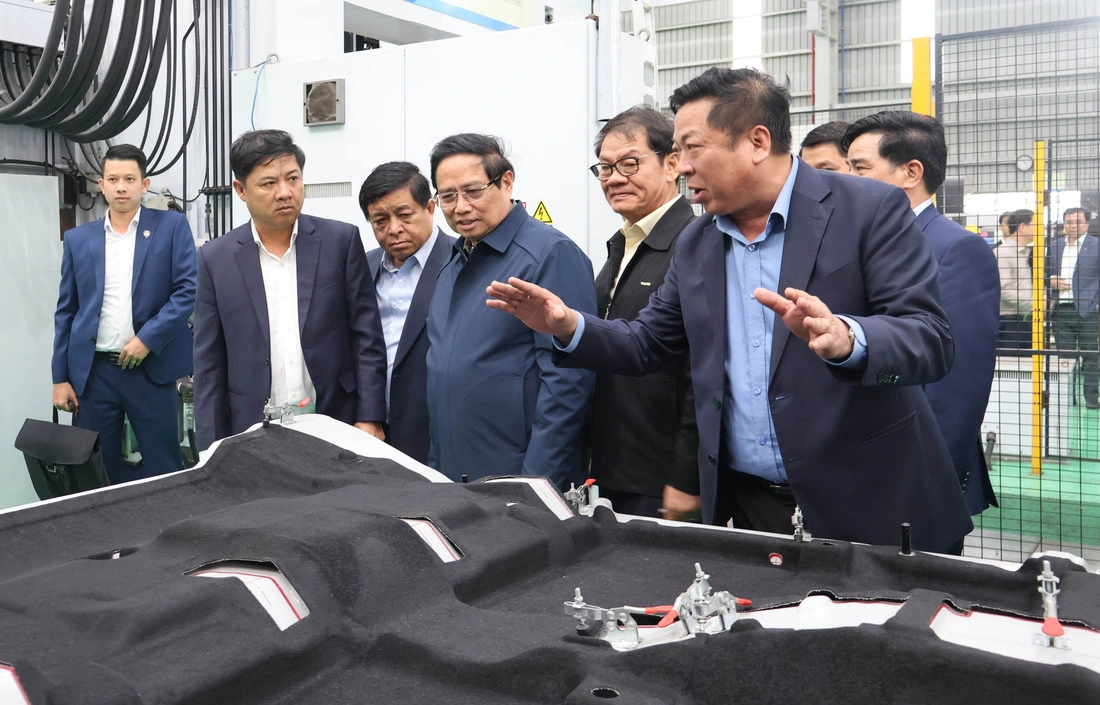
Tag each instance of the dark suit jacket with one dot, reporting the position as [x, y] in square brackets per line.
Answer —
[408, 417]
[1086, 276]
[341, 335]
[163, 298]
[642, 430]
[970, 288]
[862, 450]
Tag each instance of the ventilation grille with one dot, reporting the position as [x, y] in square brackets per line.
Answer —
[336, 189]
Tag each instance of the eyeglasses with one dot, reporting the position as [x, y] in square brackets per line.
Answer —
[450, 198]
[627, 166]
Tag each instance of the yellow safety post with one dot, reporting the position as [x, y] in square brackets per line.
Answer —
[1038, 310]
[922, 76]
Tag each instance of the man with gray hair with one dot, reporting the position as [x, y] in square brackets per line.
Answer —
[643, 436]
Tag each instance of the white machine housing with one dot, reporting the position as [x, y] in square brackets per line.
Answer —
[535, 88]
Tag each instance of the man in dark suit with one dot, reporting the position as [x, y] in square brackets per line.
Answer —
[1073, 281]
[831, 418]
[909, 150]
[397, 202]
[822, 147]
[286, 310]
[643, 436]
[121, 338]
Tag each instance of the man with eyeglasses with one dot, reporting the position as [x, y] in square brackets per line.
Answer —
[497, 405]
[642, 431]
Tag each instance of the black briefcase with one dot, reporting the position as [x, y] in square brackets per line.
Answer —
[61, 459]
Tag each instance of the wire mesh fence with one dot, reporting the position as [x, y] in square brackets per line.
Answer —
[1021, 109]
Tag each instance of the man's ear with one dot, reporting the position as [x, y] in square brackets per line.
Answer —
[914, 174]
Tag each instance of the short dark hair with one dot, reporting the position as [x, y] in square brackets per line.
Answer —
[489, 148]
[126, 153]
[390, 177]
[906, 136]
[743, 99]
[1018, 218]
[1001, 219]
[829, 133]
[1075, 209]
[258, 147]
[658, 128]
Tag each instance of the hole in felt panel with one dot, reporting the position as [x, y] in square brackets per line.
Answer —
[111, 555]
[11, 690]
[266, 583]
[545, 490]
[605, 692]
[447, 550]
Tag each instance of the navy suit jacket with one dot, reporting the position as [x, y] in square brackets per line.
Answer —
[338, 323]
[862, 450]
[1086, 277]
[163, 297]
[408, 418]
[970, 288]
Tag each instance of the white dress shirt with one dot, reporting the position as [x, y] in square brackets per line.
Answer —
[394, 289]
[921, 206]
[1069, 264]
[116, 315]
[290, 381]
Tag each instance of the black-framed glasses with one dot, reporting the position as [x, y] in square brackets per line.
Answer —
[627, 166]
[449, 199]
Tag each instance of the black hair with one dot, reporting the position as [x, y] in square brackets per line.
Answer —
[1018, 218]
[658, 129]
[126, 153]
[259, 147]
[489, 148]
[394, 176]
[743, 99]
[1075, 209]
[829, 133]
[1001, 219]
[906, 136]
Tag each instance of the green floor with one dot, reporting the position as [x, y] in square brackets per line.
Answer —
[1061, 506]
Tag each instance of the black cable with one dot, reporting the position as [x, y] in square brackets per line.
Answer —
[182, 152]
[152, 71]
[106, 93]
[169, 113]
[77, 64]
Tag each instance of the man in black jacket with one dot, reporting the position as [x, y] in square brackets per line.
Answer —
[644, 440]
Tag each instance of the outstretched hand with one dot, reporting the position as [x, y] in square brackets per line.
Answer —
[538, 308]
[811, 320]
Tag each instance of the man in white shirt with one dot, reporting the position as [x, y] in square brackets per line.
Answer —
[286, 312]
[1015, 268]
[397, 202]
[1073, 270]
[121, 337]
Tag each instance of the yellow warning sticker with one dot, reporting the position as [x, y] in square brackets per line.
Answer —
[542, 214]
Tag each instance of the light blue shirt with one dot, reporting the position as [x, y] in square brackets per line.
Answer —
[747, 424]
[395, 288]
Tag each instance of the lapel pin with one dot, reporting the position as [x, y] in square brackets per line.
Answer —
[145, 234]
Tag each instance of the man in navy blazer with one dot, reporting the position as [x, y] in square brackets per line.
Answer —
[397, 201]
[121, 338]
[909, 151]
[286, 311]
[831, 419]
[1073, 289]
